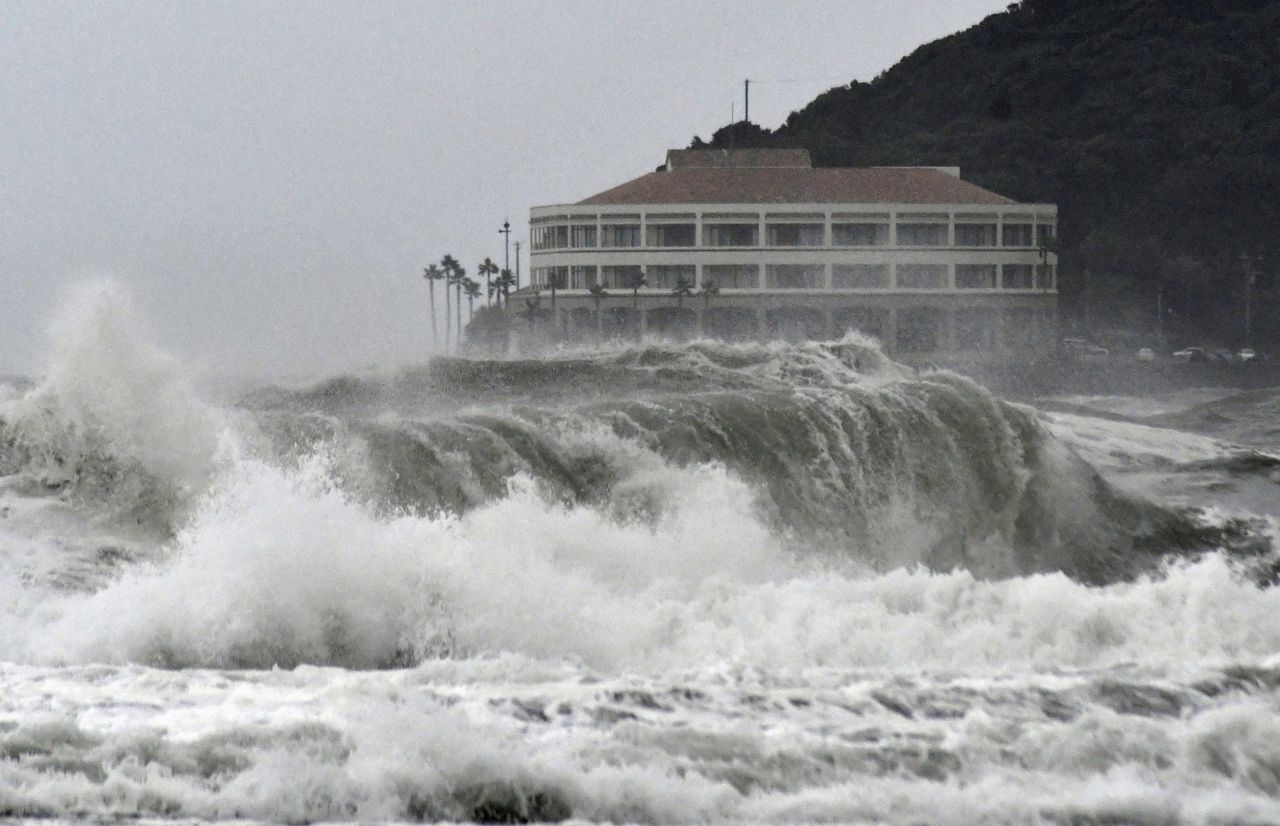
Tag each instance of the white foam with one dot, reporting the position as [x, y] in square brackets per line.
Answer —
[110, 394]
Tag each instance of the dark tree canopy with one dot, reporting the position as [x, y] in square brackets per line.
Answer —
[1153, 124]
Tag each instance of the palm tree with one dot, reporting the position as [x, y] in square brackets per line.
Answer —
[682, 290]
[472, 291]
[531, 310]
[598, 294]
[505, 282]
[448, 264]
[708, 292]
[460, 275]
[487, 268]
[433, 274]
[637, 281]
[555, 280]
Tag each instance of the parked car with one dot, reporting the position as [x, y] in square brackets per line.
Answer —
[1191, 354]
[1146, 354]
[1246, 355]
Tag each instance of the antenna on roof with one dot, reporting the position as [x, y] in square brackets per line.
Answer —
[731, 122]
[746, 100]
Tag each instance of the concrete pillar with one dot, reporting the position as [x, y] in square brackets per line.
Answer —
[890, 341]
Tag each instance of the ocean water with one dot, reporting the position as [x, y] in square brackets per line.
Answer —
[654, 584]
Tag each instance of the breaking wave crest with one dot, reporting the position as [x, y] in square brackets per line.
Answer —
[789, 505]
[663, 583]
[113, 422]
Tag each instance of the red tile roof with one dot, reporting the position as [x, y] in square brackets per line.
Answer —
[787, 185]
[680, 158]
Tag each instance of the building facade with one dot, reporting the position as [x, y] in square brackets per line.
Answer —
[933, 266]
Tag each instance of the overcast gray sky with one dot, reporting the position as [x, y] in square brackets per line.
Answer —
[270, 178]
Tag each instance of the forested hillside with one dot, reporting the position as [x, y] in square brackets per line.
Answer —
[1154, 124]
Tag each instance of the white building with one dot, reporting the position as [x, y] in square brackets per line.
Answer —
[928, 263]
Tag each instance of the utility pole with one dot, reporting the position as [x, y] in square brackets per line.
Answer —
[517, 243]
[746, 100]
[506, 260]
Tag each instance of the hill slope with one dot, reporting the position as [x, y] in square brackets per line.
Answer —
[1154, 125]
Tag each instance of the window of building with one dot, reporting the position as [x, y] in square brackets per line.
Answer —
[921, 234]
[920, 329]
[550, 237]
[1016, 235]
[795, 235]
[620, 235]
[543, 277]
[975, 329]
[922, 276]
[732, 276]
[730, 235]
[860, 277]
[975, 235]
[672, 235]
[1045, 233]
[1017, 277]
[582, 236]
[666, 276]
[795, 276]
[1045, 276]
[619, 278]
[860, 234]
[976, 276]
[581, 278]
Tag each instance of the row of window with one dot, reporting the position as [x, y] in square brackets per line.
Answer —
[847, 234]
[802, 276]
[913, 330]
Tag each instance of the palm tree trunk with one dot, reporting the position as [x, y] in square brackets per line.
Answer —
[435, 338]
[448, 320]
[459, 290]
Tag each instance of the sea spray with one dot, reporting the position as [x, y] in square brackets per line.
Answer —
[662, 583]
[113, 420]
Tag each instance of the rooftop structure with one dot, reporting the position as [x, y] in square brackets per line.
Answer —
[931, 264]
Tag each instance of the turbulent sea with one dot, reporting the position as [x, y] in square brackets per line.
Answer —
[654, 584]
